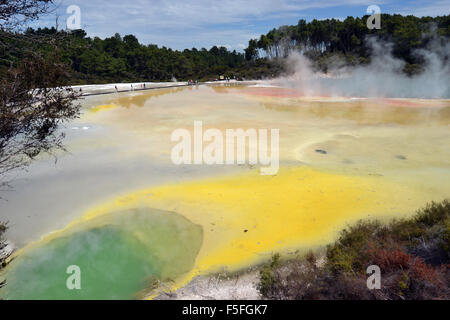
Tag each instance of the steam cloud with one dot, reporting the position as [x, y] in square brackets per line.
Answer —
[383, 77]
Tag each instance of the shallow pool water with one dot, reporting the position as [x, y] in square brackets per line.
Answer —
[120, 255]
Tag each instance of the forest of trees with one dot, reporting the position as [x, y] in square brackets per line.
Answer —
[122, 59]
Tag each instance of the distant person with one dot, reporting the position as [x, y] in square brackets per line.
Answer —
[116, 88]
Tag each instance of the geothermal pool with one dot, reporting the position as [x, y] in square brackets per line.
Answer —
[117, 206]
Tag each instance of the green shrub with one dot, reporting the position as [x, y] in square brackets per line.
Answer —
[267, 275]
[347, 254]
[434, 213]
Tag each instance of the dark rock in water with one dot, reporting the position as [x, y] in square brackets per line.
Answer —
[347, 161]
[321, 151]
[400, 157]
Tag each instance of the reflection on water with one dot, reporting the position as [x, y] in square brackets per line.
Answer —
[119, 255]
[139, 99]
[368, 112]
[129, 99]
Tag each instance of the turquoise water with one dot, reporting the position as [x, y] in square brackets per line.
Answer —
[119, 256]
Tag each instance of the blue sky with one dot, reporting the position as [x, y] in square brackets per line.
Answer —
[181, 24]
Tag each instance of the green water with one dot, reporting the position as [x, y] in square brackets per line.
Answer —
[119, 255]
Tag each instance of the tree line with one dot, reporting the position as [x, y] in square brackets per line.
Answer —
[121, 59]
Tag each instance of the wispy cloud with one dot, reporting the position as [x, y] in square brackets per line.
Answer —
[429, 8]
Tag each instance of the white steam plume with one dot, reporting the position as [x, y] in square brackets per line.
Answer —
[382, 77]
